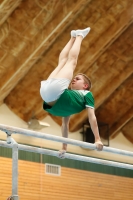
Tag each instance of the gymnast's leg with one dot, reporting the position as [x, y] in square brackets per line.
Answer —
[63, 56]
[67, 70]
[63, 73]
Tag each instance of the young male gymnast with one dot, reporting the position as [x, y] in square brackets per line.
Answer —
[59, 100]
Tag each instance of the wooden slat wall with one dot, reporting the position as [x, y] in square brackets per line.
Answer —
[73, 184]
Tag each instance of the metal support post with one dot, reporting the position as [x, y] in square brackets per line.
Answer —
[10, 140]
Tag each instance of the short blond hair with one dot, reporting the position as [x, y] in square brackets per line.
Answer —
[86, 80]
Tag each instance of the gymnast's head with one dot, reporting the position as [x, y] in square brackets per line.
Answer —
[81, 82]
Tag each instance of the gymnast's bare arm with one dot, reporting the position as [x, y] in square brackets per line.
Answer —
[64, 130]
[93, 123]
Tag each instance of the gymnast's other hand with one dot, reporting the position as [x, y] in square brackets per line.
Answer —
[99, 145]
[61, 153]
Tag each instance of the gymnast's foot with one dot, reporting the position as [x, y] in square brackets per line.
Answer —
[73, 33]
[83, 32]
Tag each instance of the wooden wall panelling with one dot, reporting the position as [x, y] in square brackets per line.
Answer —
[34, 184]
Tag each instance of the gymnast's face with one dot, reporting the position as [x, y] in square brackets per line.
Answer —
[78, 83]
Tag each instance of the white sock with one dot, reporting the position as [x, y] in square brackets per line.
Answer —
[73, 33]
[83, 32]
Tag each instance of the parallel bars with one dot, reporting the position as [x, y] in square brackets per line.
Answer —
[11, 143]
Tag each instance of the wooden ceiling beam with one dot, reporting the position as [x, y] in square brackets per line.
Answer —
[112, 85]
[6, 8]
[117, 26]
[121, 123]
[129, 137]
[33, 50]
[127, 130]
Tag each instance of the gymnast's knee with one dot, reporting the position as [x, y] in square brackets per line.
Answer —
[72, 60]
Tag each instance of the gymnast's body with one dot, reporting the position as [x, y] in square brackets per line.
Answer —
[59, 100]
